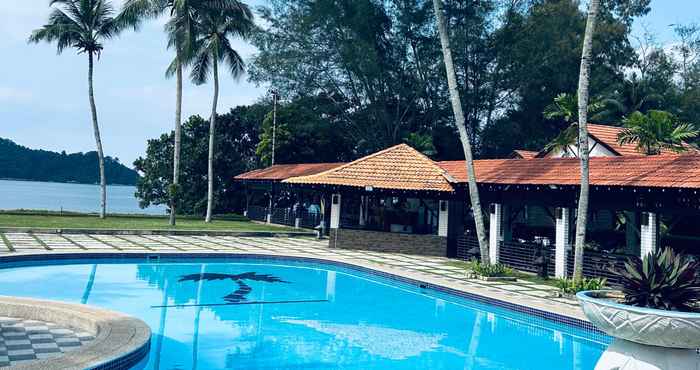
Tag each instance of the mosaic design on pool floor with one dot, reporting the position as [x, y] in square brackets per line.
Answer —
[243, 289]
[23, 341]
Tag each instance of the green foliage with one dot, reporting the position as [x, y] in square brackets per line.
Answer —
[573, 286]
[662, 280]
[490, 270]
[237, 136]
[211, 46]
[59, 167]
[304, 134]
[656, 131]
[421, 142]
[79, 24]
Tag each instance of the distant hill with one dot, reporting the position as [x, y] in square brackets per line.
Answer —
[20, 163]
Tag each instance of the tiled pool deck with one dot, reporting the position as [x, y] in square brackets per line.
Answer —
[437, 269]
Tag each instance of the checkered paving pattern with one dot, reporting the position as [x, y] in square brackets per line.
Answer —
[27, 340]
[439, 267]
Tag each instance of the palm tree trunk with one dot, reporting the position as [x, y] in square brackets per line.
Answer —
[583, 81]
[176, 150]
[212, 131]
[463, 136]
[98, 141]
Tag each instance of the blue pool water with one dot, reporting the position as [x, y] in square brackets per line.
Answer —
[318, 317]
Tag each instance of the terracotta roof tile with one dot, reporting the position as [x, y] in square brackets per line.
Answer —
[281, 172]
[608, 136]
[673, 171]
[398, 167]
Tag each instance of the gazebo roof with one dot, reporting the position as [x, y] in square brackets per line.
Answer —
[399, 167]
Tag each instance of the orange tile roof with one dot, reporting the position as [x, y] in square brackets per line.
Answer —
[281, 172]
[671, 171]
[398, 167]
[526, 154]
[607, 135]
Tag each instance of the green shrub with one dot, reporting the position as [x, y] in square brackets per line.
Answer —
[662, 280]
[573, 286]
[492, 270]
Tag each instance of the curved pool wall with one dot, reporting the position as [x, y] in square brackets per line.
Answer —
[378, 319]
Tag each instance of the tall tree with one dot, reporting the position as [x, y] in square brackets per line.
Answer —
[180, 30]
[656, 131]
[583, 82]
[83, 25]
[237, 134]
[211, 47]
[463, 136]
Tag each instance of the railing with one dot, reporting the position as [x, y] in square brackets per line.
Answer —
[282, 216]
[600, 265]
[526, 256]
[285, 216]
[467, 248]
[523, 256]
[310, 220]
[257, 213]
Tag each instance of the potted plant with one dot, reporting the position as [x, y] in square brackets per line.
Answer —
[655, 318]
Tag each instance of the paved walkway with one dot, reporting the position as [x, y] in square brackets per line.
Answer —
[439, 269]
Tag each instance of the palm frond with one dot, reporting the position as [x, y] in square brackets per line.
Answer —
[201, 65]
[233, 60]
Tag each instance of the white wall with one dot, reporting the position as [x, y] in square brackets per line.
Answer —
[595, 147]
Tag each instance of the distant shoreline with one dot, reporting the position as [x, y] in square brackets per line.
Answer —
[62, 182]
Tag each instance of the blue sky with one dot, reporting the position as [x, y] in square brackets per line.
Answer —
[43, 96]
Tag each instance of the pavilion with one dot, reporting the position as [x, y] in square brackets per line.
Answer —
[399, 200]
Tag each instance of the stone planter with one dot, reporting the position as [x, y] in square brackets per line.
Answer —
[646, 339]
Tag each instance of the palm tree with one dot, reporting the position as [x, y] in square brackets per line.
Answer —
[563, 142]
[82, 25]
[210, 48]
[180, 29]
[583, 81]
[463, 136]
[633, 94]
[565, 107]
[656, 131]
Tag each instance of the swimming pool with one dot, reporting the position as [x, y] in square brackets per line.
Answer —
[244, 313]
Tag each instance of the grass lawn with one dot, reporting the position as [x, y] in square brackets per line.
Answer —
[128, 222]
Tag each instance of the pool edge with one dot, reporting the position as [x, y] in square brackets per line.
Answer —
[391, 273]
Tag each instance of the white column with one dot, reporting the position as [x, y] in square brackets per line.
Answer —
[495, 231]
[561, 242]
[648, 233]
[335, 211]
[443, 217]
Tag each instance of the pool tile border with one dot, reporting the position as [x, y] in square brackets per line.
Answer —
[353, 265]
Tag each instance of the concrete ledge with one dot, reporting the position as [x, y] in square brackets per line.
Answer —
[121, 341]
[35, 230]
